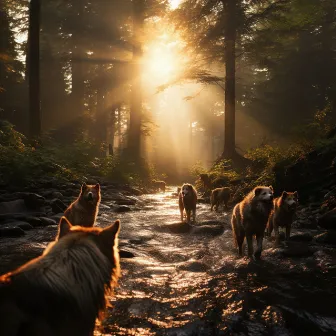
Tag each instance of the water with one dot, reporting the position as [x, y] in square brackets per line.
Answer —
[187, 280]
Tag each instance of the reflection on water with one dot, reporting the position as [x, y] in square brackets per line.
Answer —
[187, 280]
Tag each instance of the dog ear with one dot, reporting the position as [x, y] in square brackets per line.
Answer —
[84, 186]
[271, 187]
[296, 194]
[284, 194]
[64, 227]
[257, 191]
[109, 234]
[97, 186]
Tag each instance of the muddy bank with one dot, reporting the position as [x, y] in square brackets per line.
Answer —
[180, 279]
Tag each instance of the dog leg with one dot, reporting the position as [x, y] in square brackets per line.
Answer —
[194, 215]
[276, 233]
[188, 216]
[181, 212]
[240, 240]
[257, 253]
[288, 231]
[249, 245]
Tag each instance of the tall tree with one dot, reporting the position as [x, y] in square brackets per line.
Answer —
[34, 68]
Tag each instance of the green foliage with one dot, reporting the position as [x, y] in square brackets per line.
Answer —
[22, 163]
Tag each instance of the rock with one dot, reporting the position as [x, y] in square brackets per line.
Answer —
[57, 205]
[122, 208]
[104, 206]
[179, 227]
[328, 237]
[296, 250]
[11, 232]
[126, 254]
[57, 194]
[34, 201]
[47, 221]
[34, 221]
[57, 217]
[16, 206]
[328, 220]
[125, 202]
[194, 266]
[22, 225]
[301, 237]
[212, 230]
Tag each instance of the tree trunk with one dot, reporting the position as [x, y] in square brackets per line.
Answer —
[230, 81]
[77, 71]
[34, 69]
[112, 129]
[134, 134]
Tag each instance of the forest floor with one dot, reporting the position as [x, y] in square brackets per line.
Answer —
[180, 279]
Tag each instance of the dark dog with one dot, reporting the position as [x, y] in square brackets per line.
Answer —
[188, 201]
[250, 218]
[62, 292]
[220, 195]
[283, 214]
[161, 185]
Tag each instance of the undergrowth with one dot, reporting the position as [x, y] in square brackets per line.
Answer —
[21, 162]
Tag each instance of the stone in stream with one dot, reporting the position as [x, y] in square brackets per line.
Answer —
[47, 221]
[57, 205]
[126, 254]
[194, 266]
[212, 230]
[125, 202]
[179, 227]
[11, 232]
[301, 236]
[20, 224]
[328, 237]
[122, 208]
[296, 250]
[328, 220]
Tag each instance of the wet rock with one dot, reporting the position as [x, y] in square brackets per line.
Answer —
[302, 237]
[57, 205]
[104, 207]
[16, 206]
[34, 221]
[179, 227]
[34, 201]
[57, 217]
[47, 221]
[328, 220]
[328, 237]
[126, 254]
[212, 230]
[11, 232]
[22, 225]
[194, 266]
[122, 208]
[125, 202]
[296, 250]
[57, 194]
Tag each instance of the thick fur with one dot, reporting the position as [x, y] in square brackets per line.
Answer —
[188, 201]
[161, 185]
[250, 218]
[62, 292]
[219, 196]
[283, 214]
[85, 209]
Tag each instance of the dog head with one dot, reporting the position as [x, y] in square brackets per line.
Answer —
[290, 199]
[186, 189]
[90, 193]
[105, 239]
[264, 194]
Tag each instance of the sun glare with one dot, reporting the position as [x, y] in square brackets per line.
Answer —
[174, 4]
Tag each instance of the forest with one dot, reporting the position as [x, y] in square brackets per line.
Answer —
[135, 105]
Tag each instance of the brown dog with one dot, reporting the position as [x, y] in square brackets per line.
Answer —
[63, 291]
[161, 185]
[282, 214]
[188, 201]
[250, 218]
[220, 195]
[84, 210]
